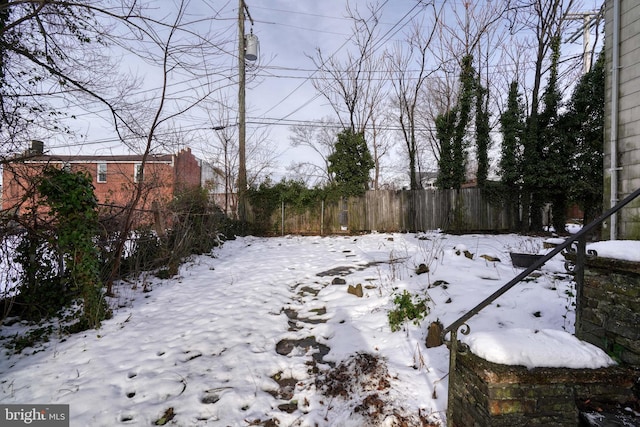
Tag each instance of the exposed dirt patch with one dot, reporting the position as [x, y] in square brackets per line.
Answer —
[362, 372]
[289, 408]
[292, 321]
[319, 311]
[293, 317]
[346, 270]
[264, 423]
[290, 313]
[312, 321]
[286, 387]
[362, 384]
[212, 396]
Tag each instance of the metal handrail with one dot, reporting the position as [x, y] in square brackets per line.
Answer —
[580, 237]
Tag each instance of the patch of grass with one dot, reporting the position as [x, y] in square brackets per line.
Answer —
[31, 338]
[35, 334]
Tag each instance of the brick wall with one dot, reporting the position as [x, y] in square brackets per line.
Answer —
[163, 175]
[187, 170]
[490, 394]
[609, 308]
[117, 190]
[119, 186]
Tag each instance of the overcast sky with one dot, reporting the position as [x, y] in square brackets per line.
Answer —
[279, 92]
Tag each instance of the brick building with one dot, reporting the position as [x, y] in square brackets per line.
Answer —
[114, 177]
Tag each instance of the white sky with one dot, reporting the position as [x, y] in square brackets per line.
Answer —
[281, 93]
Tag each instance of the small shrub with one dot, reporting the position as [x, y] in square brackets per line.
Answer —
[196, 227]
[143, 254]
[42, 288]
[408, 307]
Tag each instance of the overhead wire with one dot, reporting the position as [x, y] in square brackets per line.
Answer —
[384, 71]
[263, 120]
[284, 120]
[383, 40]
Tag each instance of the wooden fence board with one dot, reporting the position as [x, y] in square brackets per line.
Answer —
[462, 210]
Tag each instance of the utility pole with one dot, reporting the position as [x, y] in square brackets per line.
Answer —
[242, 167]
[589, 19]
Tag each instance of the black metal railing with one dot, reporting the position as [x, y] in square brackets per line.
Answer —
[575, 244]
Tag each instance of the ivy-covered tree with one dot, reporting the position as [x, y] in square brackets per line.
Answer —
[512, 126]
[532, 199]
[73, 209]
[583, 123]
[483, 137]
[451, 129]
[543, 152]
[554, 170]
[350, 163]
[445, 124]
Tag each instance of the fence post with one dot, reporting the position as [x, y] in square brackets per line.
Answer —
[453, 352]
[322, 217]
[581, 259]
[282, 216]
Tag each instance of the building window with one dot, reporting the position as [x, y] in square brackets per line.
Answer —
[102, 172]
[137, 172]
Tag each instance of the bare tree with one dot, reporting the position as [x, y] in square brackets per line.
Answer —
[381, 139]
[542, 22]
[408, 86]
[320, 139]
[467, 30]
[349, 84]
[58, 58]
[222, 155]
[177, 51]
[220, 148]
[355, 86]
[50, 60]
[261, 156]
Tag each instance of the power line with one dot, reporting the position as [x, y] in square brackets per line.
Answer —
[251, 121]
[315, 30]
[316, 71]
[384, 71]
[285, 120]
[314, 15]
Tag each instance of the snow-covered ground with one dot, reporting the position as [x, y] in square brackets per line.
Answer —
[260, 332]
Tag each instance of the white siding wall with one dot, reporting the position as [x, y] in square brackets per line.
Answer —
[628, 146]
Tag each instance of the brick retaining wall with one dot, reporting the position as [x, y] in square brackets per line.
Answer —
[610, 308]
[490, 394]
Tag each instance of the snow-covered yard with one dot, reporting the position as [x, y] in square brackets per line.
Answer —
[260, 332]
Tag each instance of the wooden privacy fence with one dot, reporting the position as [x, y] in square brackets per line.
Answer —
[462, 210]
